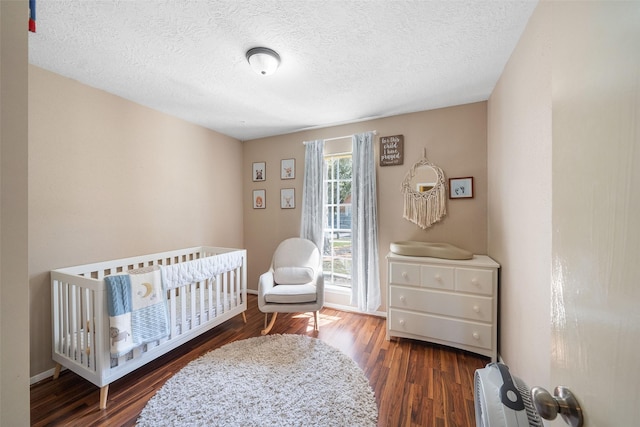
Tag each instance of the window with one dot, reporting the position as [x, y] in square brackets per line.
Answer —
[337, 220]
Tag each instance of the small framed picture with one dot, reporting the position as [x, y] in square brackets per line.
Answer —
[259, 171]
[287, 198]
[288, 169]
[423, 187]
[259, 199]
[461, 188]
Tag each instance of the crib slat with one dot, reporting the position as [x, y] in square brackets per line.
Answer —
[58, 316]
[91, 327]
[230, 289]
[239, 284]
[66, 319]
[203, 305]
[55, 314]
[210, 308]
[183, 312]
[78, 326]
[193, 311]
[72, 324]
[84, 321]
[218, 295]
[101, 334]
[172, 312]
[225, 292]
[234, 287]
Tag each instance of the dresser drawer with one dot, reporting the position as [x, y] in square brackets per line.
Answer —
[471, 307]
[440, 328]
[474, 280]
[404, 274]
[437, 277]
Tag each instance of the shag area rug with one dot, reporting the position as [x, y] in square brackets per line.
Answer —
[275, 380]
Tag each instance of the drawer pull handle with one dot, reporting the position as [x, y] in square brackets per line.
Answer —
[402, 322]
[476, 336]
[405, 275]
[438, 277]
[475, 281]
[476, 309]
[403, 298]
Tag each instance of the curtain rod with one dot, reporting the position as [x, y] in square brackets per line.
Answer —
[375, 132]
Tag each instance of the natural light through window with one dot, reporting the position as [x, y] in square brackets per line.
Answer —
[337, 220]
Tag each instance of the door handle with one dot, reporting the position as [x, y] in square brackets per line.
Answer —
[562, 401]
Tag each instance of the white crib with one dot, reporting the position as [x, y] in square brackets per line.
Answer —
[81, 321]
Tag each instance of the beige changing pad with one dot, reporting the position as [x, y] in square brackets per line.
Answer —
[427, 249]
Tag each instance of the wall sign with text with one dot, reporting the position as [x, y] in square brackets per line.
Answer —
[391, 150]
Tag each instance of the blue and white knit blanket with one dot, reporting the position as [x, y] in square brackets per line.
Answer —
[137, 309]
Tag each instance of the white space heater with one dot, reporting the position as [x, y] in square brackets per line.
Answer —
[502, 400]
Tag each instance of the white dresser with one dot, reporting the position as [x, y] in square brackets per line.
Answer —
[450, 302]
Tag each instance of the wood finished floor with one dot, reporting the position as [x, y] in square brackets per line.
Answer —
[415, 383]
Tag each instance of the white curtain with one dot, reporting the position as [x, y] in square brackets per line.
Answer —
[365, 286]
[312, 196]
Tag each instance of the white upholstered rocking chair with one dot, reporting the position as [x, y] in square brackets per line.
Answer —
[294, 282]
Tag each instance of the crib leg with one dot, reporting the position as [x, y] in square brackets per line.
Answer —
[315, 319]
[56, 372]
[104, 392]
[244, 317]
[267, 328]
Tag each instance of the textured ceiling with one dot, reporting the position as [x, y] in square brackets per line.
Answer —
[342, 61]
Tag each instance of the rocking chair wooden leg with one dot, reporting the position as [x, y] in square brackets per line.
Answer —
[315, 323]
[268, 327]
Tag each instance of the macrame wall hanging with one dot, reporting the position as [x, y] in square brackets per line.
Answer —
[424, 208]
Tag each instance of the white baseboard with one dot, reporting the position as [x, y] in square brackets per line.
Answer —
[43, 376]
[355, 310]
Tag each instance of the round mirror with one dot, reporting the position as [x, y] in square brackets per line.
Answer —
[424, 179]
[424, 194]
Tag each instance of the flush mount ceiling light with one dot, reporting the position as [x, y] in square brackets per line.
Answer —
[263, 60]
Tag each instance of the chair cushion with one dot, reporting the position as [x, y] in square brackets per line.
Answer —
[291, 294]
[296, 252]
[293, 275]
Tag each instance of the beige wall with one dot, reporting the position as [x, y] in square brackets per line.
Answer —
[455, 140]
[109, 179]
[519, 159]
[14, 289]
